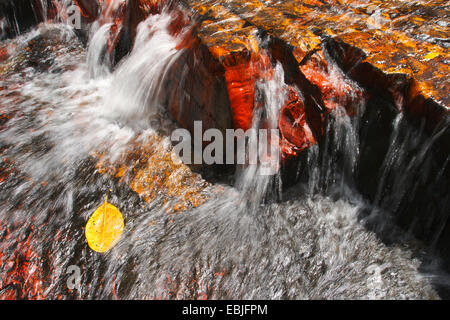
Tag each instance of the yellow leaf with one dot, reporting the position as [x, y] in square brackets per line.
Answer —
[104, 228]
[431, 55]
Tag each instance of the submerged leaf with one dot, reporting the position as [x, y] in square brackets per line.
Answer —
[104, 228]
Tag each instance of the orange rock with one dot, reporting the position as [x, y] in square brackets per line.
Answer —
[380, 52]
[241, 91]
[148, 168]
[241, 75]
[397, 37]
[22, 276]
[125, 16]
[234, 46]
[88, 8]
[336, 90]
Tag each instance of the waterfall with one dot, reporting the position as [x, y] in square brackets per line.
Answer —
[98, 61]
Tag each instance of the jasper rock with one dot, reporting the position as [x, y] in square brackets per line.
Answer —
[233, 48]
[335, 89]
[295, 131]
[149, 170]
[389, 47]
[326, 55]
[89, 9]
[200, 94]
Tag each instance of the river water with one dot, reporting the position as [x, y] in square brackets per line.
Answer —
[67, 120]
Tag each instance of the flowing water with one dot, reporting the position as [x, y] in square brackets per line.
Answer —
[66, 117]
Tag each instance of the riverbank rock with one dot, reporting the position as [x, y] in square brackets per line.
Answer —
[18, 16]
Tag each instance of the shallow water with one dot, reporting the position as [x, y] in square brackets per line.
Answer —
[69, 120]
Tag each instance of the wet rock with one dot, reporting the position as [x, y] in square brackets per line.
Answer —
[150, 169]
[89, 9]
[389, 49]
[39, 53]
[319, 50]
[18, 16]
[234, 46]
[231, 51]
[295, 131]
[201, 93]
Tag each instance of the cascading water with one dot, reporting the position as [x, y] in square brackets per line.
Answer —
[69, 117]
[97, 60]
[254, 183]
[44, 6]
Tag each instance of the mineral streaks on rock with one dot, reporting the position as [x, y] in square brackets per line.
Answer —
[405, 37]
[150, 168]
[336, 90]
[396, 53]
[235, 46]
[88, 8]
